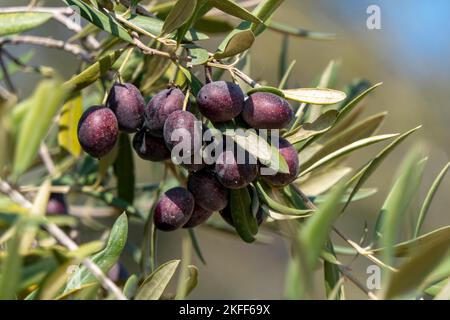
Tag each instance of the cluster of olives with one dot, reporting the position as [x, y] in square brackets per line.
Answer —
[154, 124]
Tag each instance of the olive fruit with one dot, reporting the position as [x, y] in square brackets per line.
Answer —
[160, 107]
[289, 153]
[174, 209]
[265, 110]
[56, 204]
[220, 101]
[232, 174]
[149, 147]
[199, 216]
[98, 131]
[181, 127]
[208, 192]
[127, 103]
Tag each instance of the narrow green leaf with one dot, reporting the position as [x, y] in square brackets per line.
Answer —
[361, 130]
[12, 264]
[190, 283]
[93, 72]
[318, 96]
[278, 206]
[310, 129]
[273, 90]
[68, 123]
[346, 150]
[236, 42]
[240, 203]
[106, 258]
[46, 99]
[131, 286]
[300, 32]
[407, 248]
[233, 9]
[101, 19]
[314, 234]
[154, 285]
[399, 198]
[332, 275]
[429, 198]
[258, 147]
[410, 278]
[124, 169]
[363, 174]
[353, 103]
[264, 11]
[17, 22]
[180, 14]
[154, 26]
[196, 245]
[198, 54]
[322, 180]
[284, 80]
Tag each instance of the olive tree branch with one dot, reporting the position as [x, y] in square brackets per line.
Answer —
[49, 43]
[65, 240]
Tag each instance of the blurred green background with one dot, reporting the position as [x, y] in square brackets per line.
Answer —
[409, 55]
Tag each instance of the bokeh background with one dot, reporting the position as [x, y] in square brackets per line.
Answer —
[410, 55]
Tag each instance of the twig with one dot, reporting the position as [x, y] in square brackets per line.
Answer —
[139, 9]
[49, 43]
[47, 159]
[356, 282]
[148, 50]
[65, 240]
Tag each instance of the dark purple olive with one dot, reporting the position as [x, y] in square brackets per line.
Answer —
[56, 205]
[149, 147]
[174, 209]
[98, 131]
[160, 107]
[184, 131]
[199, 216]
[195, 163]
[232, 174]
[127, 103]
[220, 101]
[208, 192]
[264, 110]
[289, 153]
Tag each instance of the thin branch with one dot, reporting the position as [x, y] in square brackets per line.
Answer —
[65, 240]
[49, 43]
[356, 282]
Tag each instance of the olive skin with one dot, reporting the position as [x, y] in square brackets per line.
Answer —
[190, 129]
[208, 192]
[174, 209]
[56, 205]
[265, 110]
[199, 216]
[149, 147]
[160, 107]
[289, 153]
[192, 166]
[97, 131]
[220, 101]
[233, 175]
[127, 103]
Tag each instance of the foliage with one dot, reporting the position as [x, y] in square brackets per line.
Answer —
[151, 46]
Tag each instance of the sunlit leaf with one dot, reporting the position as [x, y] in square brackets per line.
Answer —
[233, 9]
[310, 129]
[153, 287]
[101, 19]
[68, 123]
[179, 14]
[17, 22]
[236, 42]
[320, 96]
[46, 100]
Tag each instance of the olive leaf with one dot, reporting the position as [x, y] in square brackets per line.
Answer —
[17, 22]
[236, 42]
[233, 9]
[68, 123]
[319, 96]
[180, 13]
[124, 169]
[154, 285]
[241, 213]
[101, 19]
[310, 129]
